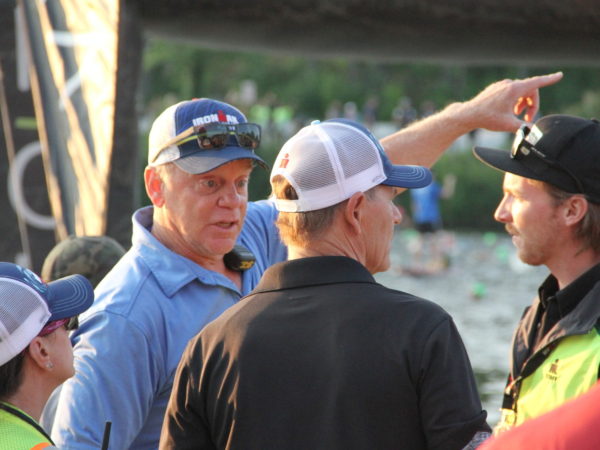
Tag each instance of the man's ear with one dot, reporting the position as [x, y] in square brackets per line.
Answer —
[574, 209]
[354, 211]
[154, 184]
[39, 354]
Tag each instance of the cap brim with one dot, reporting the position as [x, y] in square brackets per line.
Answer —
[69, 296]
[206, 160]
[501, 160]
[408, 177]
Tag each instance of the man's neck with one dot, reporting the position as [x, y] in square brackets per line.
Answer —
[324, 248]
[570, 267]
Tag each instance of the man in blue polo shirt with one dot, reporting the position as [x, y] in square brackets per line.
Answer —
[180, 272]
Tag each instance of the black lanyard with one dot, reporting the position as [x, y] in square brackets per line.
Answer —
[25, 418]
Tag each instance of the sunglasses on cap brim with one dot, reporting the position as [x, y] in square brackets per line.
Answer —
[522, 149]
[216, 136]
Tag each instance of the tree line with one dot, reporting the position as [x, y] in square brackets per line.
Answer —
[284, 93]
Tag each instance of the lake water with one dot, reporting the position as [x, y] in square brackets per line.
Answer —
[485, 288]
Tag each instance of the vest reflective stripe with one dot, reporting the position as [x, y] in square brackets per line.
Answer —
[569, 370]
[41, 446]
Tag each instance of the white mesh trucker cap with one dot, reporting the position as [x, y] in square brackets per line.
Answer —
[328, 162]
[27, 304]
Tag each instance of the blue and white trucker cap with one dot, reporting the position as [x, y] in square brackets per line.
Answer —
[173, 136]
[328, 162]
[27, 304]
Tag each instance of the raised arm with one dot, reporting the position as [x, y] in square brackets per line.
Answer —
[495, 108]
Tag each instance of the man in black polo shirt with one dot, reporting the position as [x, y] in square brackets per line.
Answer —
[551, 208]
[319, 355]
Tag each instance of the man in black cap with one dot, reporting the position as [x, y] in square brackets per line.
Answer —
[551, 208]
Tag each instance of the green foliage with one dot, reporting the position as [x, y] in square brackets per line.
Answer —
[310, 85]
[173, 72]
[259, 187]
[477, 193]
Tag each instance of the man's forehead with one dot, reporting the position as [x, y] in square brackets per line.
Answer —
[513, 182]
[513, 179]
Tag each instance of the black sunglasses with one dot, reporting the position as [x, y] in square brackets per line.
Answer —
[216, 135]
[522, 148]
[72, 324]
[69, 324]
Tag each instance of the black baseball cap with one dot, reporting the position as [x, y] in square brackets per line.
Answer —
[561, 150]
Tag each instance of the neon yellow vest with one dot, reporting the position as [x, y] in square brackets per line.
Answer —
[16, 434]
[569, 370]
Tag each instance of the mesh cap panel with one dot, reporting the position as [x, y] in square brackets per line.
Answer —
[354, 151]
[316, 175]
[18, 303]
[23, 313]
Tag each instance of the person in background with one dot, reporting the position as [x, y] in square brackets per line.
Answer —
[319, 355]
[90, 256]
[429, 256]
[201, 246]
[35, 352]
[551, 208]
[427, 108]
[404, 113]
[370, 111]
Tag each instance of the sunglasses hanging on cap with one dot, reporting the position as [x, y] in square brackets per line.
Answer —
[215, 136]
[522, 148]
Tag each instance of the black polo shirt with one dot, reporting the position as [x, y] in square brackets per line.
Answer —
[320, 356]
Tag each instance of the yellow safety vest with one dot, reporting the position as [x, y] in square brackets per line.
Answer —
[18, 431]
[568, 371]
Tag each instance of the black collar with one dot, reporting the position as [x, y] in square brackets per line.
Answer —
[313, 271]
[568, 297]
